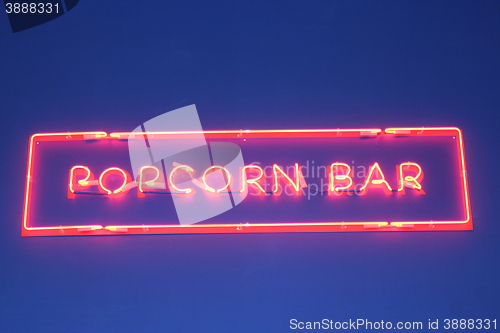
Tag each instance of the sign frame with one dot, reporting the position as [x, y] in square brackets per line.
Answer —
[326, 226]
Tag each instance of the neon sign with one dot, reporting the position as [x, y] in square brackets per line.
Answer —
[311, 183]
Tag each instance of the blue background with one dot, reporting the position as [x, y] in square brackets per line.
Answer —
[110, 66]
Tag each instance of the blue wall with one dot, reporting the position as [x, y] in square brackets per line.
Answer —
[110, 66]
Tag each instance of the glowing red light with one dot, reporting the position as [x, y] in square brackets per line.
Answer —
[409, 174]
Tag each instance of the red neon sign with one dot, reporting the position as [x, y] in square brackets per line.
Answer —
[267, 181]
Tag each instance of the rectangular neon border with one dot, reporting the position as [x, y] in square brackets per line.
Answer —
[256, 227]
